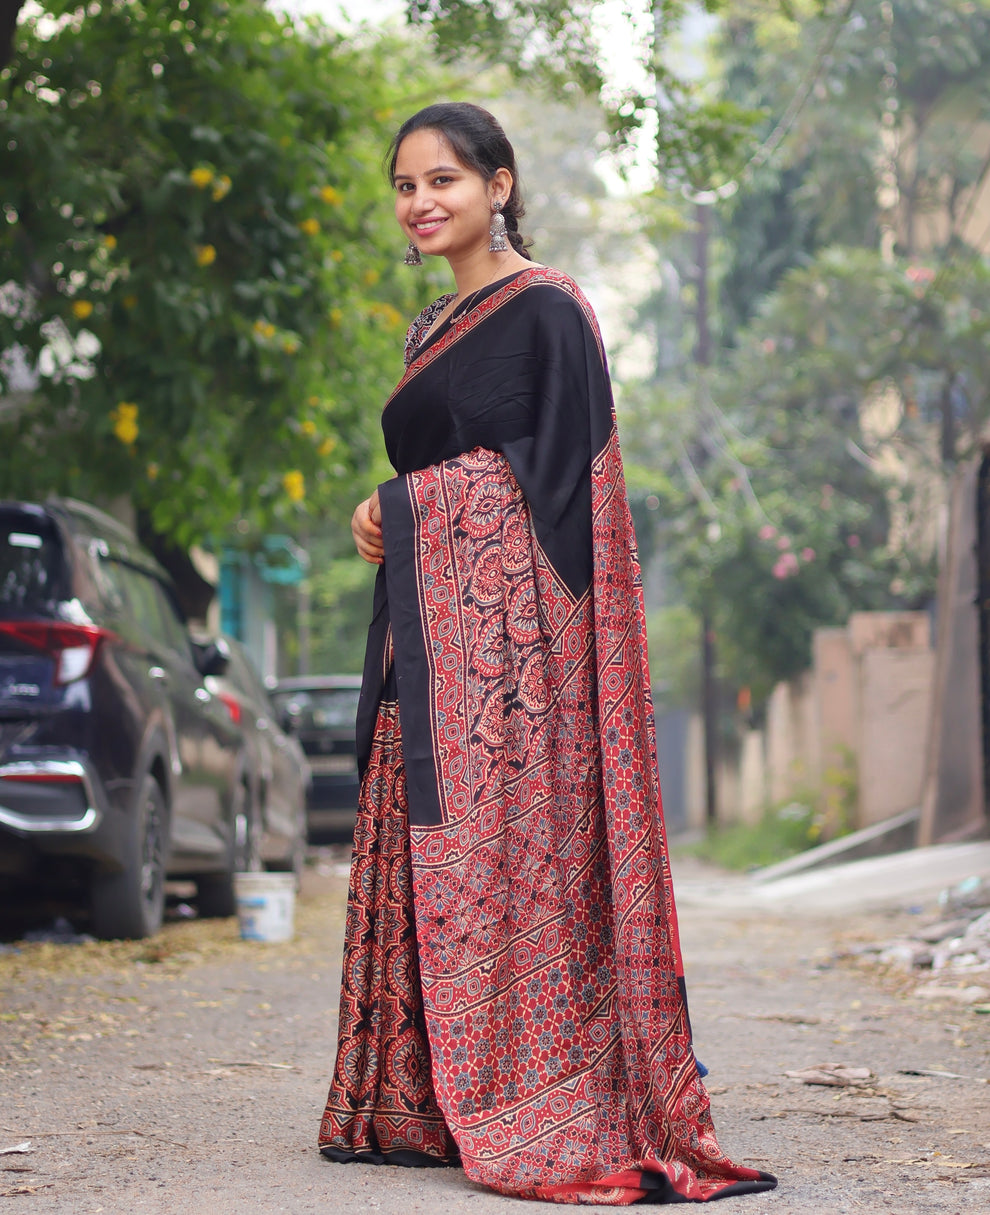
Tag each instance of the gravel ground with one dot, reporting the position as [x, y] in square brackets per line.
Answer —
[187, 1074]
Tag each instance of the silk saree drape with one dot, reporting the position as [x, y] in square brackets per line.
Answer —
[513, 988]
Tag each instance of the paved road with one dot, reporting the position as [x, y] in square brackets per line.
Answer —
[186, 1075]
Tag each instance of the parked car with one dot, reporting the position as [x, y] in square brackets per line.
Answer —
[320, 710]
[277, 772]
[118, 767]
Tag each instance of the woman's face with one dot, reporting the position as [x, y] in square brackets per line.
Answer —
[444, 207]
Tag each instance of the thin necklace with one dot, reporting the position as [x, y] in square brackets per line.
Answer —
[451, 307]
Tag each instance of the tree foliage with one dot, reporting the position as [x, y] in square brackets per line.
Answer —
[799, 479]
[556, 47]
[200, 262]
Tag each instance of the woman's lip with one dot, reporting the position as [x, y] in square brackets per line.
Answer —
[424, 226]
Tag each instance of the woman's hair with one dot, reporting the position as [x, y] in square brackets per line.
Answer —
[479, 143]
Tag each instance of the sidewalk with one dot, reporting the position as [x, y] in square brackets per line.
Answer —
[189, 1075]
[895, 882]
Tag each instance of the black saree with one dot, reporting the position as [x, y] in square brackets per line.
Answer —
[544, 986]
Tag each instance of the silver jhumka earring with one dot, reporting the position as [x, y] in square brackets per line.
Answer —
[496, 230]
[413, 257]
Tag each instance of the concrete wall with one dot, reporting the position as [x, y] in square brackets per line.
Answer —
[895, 698]
[860, 717]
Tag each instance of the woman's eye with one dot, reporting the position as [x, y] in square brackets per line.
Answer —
[441, 181]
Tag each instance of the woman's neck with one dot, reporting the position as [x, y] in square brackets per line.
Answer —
[476, 272]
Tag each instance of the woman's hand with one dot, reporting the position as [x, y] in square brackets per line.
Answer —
[366, 524]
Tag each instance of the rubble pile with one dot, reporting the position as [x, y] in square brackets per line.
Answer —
[954, 948]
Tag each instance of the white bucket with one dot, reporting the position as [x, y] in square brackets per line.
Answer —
[265, 905]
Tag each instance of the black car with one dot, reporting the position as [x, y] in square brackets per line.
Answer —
[118, 767]
[320, 710]
[277, 772]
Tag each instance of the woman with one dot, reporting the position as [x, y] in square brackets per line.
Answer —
[512, 988]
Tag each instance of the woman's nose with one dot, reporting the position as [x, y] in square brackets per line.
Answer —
[422, 200]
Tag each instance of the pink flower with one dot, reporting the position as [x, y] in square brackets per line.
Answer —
[920, 274]
[853, 541]
[784, 542]
[767, 531]
[807, 554]
[786, 564]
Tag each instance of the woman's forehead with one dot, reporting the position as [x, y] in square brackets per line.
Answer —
[423, 150]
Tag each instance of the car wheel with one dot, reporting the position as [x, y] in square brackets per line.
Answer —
[217, 896]
[131, 903]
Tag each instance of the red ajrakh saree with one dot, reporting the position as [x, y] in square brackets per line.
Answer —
[512, 988]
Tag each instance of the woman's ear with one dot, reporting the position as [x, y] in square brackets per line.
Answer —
[500, 185]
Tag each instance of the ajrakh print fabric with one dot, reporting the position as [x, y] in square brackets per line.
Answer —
[549, 967]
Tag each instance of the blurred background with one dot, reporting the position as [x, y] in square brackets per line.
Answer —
[780, 212]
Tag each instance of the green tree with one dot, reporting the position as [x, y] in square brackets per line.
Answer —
[890, 136]
[199, 259]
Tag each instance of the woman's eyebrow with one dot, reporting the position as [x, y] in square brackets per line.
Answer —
[438, 169]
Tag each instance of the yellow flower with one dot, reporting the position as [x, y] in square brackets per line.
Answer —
[221, 187]
[336, 255]
[129, 301]
[110, 241]
[82, 309]
[391, 316]
[370, 277]
[201, 177]
[383, 115]
[294, 484]
[310, 226]
[290, 345]
[124, 419]
[336, 316]
[206, 255]
[332, 196]
[313, 400]
[264, 329]
[327, 446]
[152, 472]
[308, 427]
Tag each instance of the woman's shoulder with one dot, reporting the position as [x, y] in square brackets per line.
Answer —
[558, 295]
[419, 328]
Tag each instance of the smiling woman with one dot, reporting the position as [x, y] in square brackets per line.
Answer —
[513, 995]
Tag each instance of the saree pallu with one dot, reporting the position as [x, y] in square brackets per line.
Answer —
[541, 981]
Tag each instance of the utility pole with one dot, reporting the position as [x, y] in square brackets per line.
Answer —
[665, 15]
[702, 358]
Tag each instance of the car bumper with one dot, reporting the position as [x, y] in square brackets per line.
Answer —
[58, 806]
[49, 796]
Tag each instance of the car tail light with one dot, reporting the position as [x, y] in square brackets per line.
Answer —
[71, 646]
[232, 705]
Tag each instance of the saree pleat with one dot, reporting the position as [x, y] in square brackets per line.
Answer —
[553, 1010]
[381, 1106]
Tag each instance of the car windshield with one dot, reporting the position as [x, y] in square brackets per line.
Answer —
[329, 708]
[31, 563]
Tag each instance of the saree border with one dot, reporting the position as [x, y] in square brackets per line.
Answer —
[537, 276]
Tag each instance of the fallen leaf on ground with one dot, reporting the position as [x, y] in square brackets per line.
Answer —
[838, 1075]
[17, 1149]
[285, 1067]
[921, 1071]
